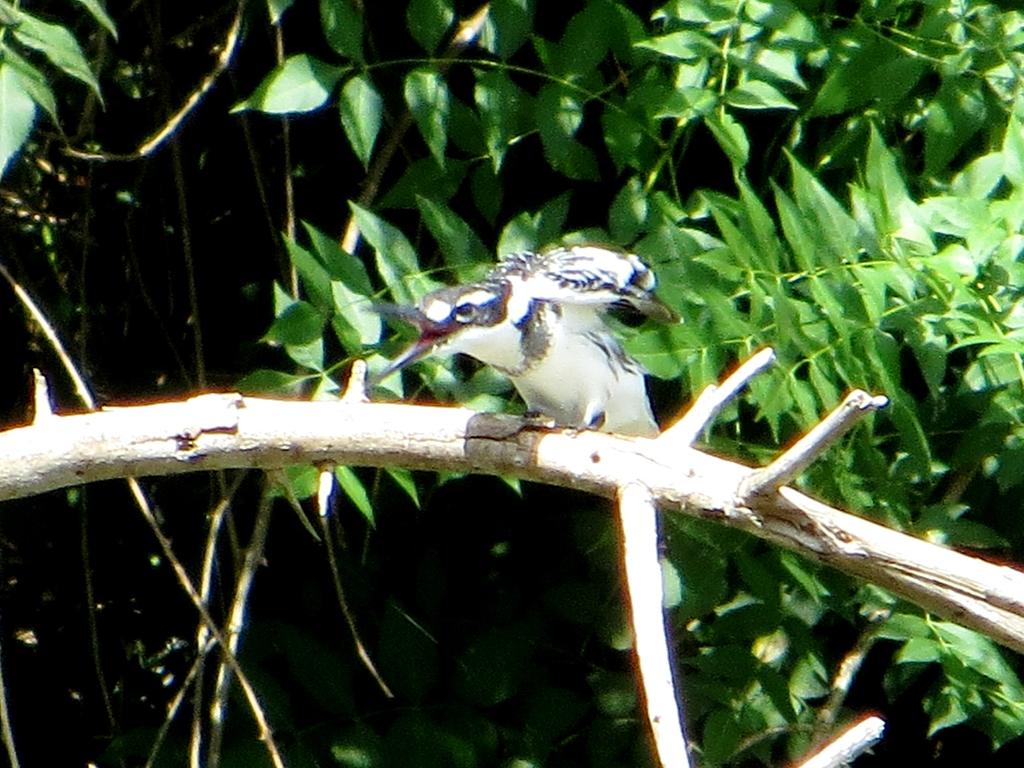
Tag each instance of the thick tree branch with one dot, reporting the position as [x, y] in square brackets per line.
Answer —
[230, 431]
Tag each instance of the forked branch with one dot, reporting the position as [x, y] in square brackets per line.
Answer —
[224, 431]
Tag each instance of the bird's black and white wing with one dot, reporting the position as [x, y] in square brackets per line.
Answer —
[587, 275]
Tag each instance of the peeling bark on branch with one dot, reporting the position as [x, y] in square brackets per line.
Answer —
[223, 431]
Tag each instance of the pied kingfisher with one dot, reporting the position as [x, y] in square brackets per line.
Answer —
[538, 318]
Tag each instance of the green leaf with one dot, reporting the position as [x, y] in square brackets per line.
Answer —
[487, 191]
[627, 140]
[507, 27]
[977, 652]
[324, 675]
[460, 245]
[687, 45]
[896, 209]
[919, 650]
[300, 323]
[355, 310]
[396, 259]
[99, 13]
[828, 218]
[339, 264]
[443, 182]
[404, 479]
[309, 355]
[361, 114]
[756, 94]
[501, 104]
[315, 279]
[767, 63]
[33, 82]
[17, 113]
[57, 44]
[904, 626]
[426, 93]
[496, 664]
[876, 73]
[721, 736]
[1013, 152]
[532, 231]
[946, 710]
[952, 119]
[301, 83]
[267, 381]
[559, 114]
[628, 212]
[355, 490]
[407, 654]
[428, 22]
[342, 24]
[730, 137]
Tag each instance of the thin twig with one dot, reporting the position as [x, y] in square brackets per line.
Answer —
[827, 714]
[325, 488]
[175, 705]
[90, 612]
[144, 506]
[170, 127]
[236, 621]
[638, 515]
[714, 397]
[848, 745]
[807, 449]
[5, 716]
[202, 631]
[465, 33]
[81, 388]
[265, 734]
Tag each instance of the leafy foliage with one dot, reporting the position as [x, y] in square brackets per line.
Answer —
[844, 184]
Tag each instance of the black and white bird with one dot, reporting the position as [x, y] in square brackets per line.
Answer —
[539, 318]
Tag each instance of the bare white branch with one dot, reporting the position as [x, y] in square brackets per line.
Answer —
[639, 518]
[807, 449]
[710, 402]
[224, 431]
[849, 745]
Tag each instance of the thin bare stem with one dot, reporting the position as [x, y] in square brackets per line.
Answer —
[5, 717]
[81, 388]
[236, 622]
[324, 491]
[265, 734]
[202, 631]
[175, 705]
[465, 33]
[846, 671]
[90, 612]
[807, 449]
[638, 515]
[144, 506]
[170, 126]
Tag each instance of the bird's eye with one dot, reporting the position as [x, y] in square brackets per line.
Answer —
[465, 312]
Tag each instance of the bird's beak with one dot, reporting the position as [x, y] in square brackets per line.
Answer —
[431, 334]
